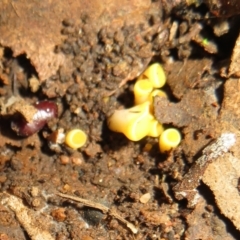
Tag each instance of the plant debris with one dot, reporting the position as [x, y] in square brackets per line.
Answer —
[28, 218]
[101, 207]
[187, 187]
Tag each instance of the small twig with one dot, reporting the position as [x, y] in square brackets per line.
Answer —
[102, 208]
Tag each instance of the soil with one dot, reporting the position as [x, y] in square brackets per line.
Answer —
[113, 188]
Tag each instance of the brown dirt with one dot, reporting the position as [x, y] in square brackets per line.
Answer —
[84, 59]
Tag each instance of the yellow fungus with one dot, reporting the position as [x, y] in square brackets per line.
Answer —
[75, 138]
[155, 92]
[132, 122]
[169, 139]
[155, 74]
[142, 90]
[155, 128]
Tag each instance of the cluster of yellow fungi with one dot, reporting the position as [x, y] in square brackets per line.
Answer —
[138, 122]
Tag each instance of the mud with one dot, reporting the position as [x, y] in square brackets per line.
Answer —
[127, 187]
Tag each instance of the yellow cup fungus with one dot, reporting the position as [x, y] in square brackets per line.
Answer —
[154, 93]
[132, 122]
[155, 74]
[155, 128]
[75, 138]
[142, 89]
[169, 139]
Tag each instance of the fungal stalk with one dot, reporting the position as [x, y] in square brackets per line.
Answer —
[155, 128]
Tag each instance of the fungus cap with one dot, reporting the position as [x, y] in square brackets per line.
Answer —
[169, 139]
[75, 138]
[142, 89]
[155, 74]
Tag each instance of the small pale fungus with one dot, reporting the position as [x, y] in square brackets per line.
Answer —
[155, 128]
[75, 138]
[169, 139]
[142, 90]
[155, 74]
[134, 122]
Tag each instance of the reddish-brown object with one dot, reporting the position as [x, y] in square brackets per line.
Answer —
[46, 111]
